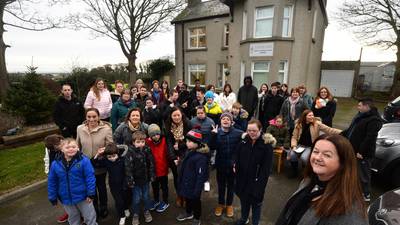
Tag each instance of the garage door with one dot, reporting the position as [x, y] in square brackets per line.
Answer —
[339, 82]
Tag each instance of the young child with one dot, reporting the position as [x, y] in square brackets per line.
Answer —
[139, 171]
[193, 175]
[51, 143]
[212, 108]
[158, 147]
[72, 182]
[239, 116]
[111, 159]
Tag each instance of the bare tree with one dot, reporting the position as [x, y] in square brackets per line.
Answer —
[375, 22]
[129, 22]
[19, 14]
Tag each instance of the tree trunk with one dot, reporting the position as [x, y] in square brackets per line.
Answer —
[395, 90]
[4, 82]
[132, 69]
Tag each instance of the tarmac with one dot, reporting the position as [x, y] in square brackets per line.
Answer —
[31, 207]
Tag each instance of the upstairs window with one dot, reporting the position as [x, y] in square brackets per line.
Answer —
[197, 71]
[197, 38]
[264, 20]
[287, 21]
[226, 35]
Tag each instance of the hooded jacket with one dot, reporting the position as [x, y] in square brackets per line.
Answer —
[119, 111]
[248, 97]
[193, 173]
[272, 106]
[139, 166]
[225, 144]
[214, 111]
[68, 114]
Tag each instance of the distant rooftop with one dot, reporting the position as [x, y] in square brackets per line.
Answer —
[212, 8]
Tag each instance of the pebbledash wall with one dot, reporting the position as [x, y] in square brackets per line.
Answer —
[270, 40]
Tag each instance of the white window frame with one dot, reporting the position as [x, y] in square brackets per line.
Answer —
[290, 21]
[265, 18]
[244, 26]
[285, 70]
[242, 71]
[314, 24]
[260, 71]
[197, 36]
[197, 70]
[222, 68]
[226, 35]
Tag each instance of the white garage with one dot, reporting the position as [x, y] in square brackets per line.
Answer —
[339, 82]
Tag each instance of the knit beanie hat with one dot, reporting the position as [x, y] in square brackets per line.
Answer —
[153, 130]
[209, 94]
[227, 114]
[195, 136]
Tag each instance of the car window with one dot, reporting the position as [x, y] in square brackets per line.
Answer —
[396, 101]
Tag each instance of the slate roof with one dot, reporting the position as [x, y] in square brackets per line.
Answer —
[213, 8]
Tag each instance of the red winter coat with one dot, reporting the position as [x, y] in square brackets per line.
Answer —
[160, 155]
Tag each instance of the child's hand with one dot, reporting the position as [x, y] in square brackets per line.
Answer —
[215, 129]
[176, 162]
[176, 147]
[100, 151]
[89, 200]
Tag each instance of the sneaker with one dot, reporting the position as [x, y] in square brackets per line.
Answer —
[162, 207]
[367, 198]
[229, 211]
[218, 210]
[135, 219]
[240, 222]
[196, 222]
[127, 213]
[147, 217]
[63, 218]
[122, 221]
[184, 216]
[154, 205]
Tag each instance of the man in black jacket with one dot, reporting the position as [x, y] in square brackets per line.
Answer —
[272, 104]
[362, 134]
[248, 96]
[68, 112]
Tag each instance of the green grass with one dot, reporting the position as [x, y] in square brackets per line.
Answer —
[21, 166]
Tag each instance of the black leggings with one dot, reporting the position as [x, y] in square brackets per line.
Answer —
[163, 182]
[193, 206]
[100, 199]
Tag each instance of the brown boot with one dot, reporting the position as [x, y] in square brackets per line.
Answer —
[229, 211]
[218, 210]
[179, 202]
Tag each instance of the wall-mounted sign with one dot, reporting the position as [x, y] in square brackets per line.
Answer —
[261, 49]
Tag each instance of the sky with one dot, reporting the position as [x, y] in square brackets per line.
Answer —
[60, 50]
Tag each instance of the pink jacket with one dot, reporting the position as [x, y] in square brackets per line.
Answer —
[104, 105]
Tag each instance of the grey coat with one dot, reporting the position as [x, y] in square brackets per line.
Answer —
[285, 111]
[123, 135]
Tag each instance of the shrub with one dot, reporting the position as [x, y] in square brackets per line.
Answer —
[30, 99]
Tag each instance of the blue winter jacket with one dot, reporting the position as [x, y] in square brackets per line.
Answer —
[225, 144]
[71, 184]
[193, 173]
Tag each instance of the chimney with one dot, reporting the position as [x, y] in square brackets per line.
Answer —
[192, 3]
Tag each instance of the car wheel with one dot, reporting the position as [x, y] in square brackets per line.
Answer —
[396, 177]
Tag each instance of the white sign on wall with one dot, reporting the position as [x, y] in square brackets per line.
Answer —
[261, 49]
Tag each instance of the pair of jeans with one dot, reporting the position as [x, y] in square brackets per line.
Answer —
[84, 209]
[225, 181]
[364, 173]
[193, 206]
[100, 199]
[141, 192]
[245, 206]
[163, 182]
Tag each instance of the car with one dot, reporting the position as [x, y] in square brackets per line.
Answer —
[391, 112]
[385, 210]
[386, 162]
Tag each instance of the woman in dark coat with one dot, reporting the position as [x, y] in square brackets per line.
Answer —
[253, 162]
[324, 106]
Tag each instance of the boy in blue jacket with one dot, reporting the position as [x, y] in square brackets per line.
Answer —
[193, 175]
[71, 181]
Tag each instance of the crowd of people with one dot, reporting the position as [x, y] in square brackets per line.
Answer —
[138, 135]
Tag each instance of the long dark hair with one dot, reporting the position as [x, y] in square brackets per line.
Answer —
[128, 114]
[168, 121]
[230, 89]
[303, 118]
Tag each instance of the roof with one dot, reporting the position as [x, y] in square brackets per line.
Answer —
[209, 9]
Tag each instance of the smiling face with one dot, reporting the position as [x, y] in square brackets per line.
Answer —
[126, 97]
[149, 103]
[176, 116]
[324, 160]
[100, 85]
[264, 88]
[69, 148]
[200, 114]
[92, 118]
[310, 117]
[253, 131]
[119, 87]
[226, 122]
[295, 94]
[134, 118]
[323, 93]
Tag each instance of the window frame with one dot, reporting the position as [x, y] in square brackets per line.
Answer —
[244, 25]
[226, 35]
[197, 70]
[285, 70]
[290, 21]
[266, 18]
[197, 36]
[314, 29]
[261, 71]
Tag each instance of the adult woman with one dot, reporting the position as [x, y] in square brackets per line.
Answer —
[176, 128]
[307, 98]
[99, 97]
[120, 108]
[134, 92]
[227, 98]
[284, 91]
[324, 106]
[93, 135]
[260, 114]
[305, 132]
[330, 192]
[156, 93]
[292, 108]
[165, 89]
[252, 165]
[133, 122]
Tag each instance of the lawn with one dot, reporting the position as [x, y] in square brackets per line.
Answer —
[21, 166]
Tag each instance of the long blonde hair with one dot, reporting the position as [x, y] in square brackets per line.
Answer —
[95, 90]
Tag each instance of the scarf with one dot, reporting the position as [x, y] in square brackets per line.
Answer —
[177, 131]
[132, 128]
[293, 103]
[321, 103]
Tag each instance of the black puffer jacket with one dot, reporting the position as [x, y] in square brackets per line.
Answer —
[68, 115]
[139, 166]
[248, 97]
[272, 106]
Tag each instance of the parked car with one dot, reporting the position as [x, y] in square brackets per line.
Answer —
[391, 112]
[386, 162]
[385, 210]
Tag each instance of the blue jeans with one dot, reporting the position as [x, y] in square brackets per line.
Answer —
[141, 192]
[245, 210]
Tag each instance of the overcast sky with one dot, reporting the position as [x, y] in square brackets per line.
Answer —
[61, 50]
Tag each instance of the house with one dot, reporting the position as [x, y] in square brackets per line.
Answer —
[270, 40]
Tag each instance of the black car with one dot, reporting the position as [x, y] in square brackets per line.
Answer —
[386, 209]
[386, 162]
[392, 111]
